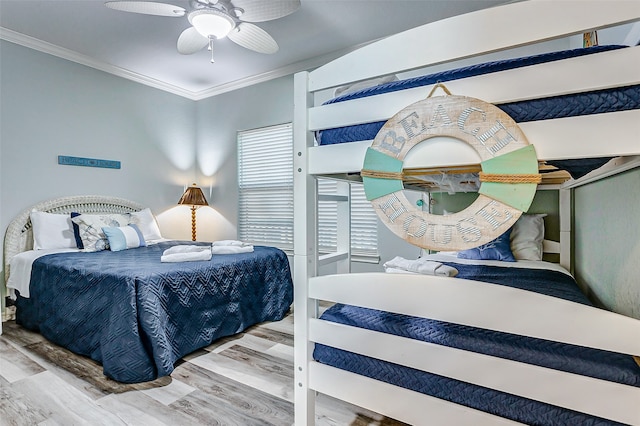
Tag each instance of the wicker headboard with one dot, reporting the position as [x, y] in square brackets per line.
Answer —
[19, 236]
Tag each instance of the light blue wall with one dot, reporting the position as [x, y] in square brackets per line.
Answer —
[50, 107]
[607, 242]
[53, 107]
[219, 119]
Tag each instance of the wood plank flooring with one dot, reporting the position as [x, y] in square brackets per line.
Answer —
[242, 380]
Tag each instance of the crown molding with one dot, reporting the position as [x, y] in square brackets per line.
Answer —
[63, 53]
[270, 75]
[70, 55]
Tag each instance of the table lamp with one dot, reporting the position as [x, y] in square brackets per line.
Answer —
[194, 197]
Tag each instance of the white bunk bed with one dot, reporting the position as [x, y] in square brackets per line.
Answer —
[493, 308]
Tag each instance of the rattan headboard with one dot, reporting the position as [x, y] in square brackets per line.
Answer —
[19, 236]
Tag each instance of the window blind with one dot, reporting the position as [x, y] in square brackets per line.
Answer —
[327, 217]
[265, 199]
[265, 185]
[364, 221]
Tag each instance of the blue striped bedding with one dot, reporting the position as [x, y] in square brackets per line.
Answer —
[594, 102]
[576, 359]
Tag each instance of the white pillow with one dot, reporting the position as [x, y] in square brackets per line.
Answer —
[146, 222]
[51, 231]
[354, 87]
[526, 237]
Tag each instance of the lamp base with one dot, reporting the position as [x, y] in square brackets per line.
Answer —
[193, 223]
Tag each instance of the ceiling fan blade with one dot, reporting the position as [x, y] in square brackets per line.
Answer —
[146, 8]
[190, 41]
[253, 38]
[260, 10]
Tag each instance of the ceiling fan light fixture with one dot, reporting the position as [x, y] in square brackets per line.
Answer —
[211, 22]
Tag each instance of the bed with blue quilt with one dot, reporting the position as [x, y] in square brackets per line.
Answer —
[604, 365]
[133, 313]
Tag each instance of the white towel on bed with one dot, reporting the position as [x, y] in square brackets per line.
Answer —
[420, 266]
[233, 243]
[186, 253]
[230, 247]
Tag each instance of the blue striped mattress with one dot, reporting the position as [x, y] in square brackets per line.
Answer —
[593, 102]
[595, 363]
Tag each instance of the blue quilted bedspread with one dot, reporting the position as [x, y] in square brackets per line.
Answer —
[595, 102]
[138, 316]
[576, 359]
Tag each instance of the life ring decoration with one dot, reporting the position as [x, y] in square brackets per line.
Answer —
[509, 175]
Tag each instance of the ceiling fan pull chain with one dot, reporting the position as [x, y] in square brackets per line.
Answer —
[211, 38]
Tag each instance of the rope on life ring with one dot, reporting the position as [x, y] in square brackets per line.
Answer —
[510, 178]
[509, 175]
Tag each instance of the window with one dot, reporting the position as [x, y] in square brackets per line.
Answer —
[364, 221]
[265, 183]
[327, 216]
[265, 210]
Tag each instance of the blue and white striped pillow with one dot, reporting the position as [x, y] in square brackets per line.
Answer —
[124, 237]
[498, 249]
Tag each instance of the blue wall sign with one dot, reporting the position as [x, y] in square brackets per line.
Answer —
[88, 162]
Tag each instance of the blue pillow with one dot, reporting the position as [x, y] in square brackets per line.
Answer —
[76, 231]
[124, 237]
[498, 249]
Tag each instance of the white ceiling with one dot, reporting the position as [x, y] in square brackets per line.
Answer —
[143, 48]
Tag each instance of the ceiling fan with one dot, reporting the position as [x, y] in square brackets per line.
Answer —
[215, 19]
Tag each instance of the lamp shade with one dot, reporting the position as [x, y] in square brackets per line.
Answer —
[193, 196]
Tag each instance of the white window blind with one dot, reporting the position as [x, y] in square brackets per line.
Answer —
[364, 221]
[265, 182]
[327, 217]
[265, 210]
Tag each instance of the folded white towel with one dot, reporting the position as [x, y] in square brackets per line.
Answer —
[231, 249]
[186, 248]
[234, 243]
[186, 253]
[399, 271]
[421, 266]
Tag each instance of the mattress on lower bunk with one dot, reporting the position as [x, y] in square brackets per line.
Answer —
[576, 359]
[594, 102]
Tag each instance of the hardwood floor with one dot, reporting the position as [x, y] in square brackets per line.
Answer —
[242, 380]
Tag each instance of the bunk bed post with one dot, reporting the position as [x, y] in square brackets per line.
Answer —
[305, 251]
[565, 228]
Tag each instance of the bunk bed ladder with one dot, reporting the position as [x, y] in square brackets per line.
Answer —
[307, 260]
[305, 264]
